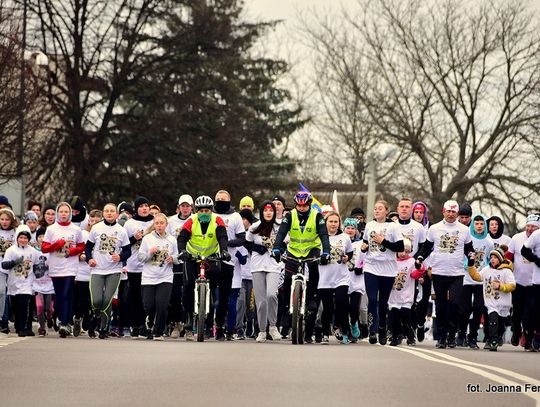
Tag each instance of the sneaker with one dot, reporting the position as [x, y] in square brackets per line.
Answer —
[364, 331]
[493, 346]
[354, 340]
[325, 340]
[62, 331]
[229, 336]
[516, 336]
[188, 335]
[143, 332]
[220, 335]
[91, 332]
[500, 341]
[460, 341]
[261, 337]
[473, 344]
[29, 332]
[21, 334]
[102, 334]
[441, 344]
[126, 332]
[382, 336]
[487, 345]
[42, 332]
[338, 334]
[394, 342]
[240, 335]
[451, 343]
[4, 331]
[114, 332]
[355, 331]
[345, 340]
[318, 334]
[420, 333]
[175, 333]
[308, 339]
[159, 338]
[373, 338]
[411, 341]
[76, 327]
[274, 333]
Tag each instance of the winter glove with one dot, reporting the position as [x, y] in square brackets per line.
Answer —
[418, 262]
[19, 260]
[358, 271]
[325, 258]
[276, 254]
[242, 259]
[259, 248]
[184, 256]
[225, 255]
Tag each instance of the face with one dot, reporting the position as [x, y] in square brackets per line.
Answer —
[302, 208]
[154, 211]
[185, 209]
[204, 210]
[268, 214]
[49, 216]
[5, 221]
[332, 224]
[494, 262]
[394, 218]
[493, 226]
[279, 208]
[109, 213]
[351, 231]
[32, 224]
[36, 209]
[404, 209]
[403, 255]
[479, 226]
[360, 218]
[160, 224]
[465, 219]
[450, 216]
[92, 220]
[529, 229]
[40, 239]
[246, 207]
[380, 211]
[418, 215]
[22, 240]
[143, 210]
[222, 196]
[63, 213]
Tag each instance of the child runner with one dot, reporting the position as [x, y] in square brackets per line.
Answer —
[8, 224]
[43, 288]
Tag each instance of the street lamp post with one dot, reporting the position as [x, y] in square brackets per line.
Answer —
[22, 112]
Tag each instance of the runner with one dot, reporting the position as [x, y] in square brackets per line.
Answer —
[8, 225]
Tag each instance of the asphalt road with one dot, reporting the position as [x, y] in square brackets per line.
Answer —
[124, 372]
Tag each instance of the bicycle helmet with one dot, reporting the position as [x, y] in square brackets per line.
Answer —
[203, 201]
[303, 198]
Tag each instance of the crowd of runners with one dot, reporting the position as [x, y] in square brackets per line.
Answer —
[128, 270]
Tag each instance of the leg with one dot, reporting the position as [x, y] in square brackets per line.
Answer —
[188, 293]
[259, 285]
[465, 309]
[231, 311]
[224, 282]
[163, 295]
[326, 296]
[111, 285]
[149, 304]
[135, 301]
[454, 293]
[342, 309]
[441, 304]
[372, 291]
[385, 287]
[272, 283]
[477, 310]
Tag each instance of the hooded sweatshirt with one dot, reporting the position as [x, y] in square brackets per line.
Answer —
[483, 245]
[21, 275]
[499, 301]
[425, 220]
[499, 238]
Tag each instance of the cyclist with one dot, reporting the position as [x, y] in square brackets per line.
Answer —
[203, 234]
[307, 231]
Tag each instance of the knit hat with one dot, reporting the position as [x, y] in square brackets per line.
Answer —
[278, 198]
[77, 204]
[4, 200]
[392, 214]
[30, 216]
[465, 209]
[499, 253]
[357, 212]
[125, 207]
[264, 205]
[247, 201]
[23, 230]
[352, 222]
[185, 199]
[140, 200]
[248, 215]
[533, 219]
[48, 206]
[451, 205]
[39, 232]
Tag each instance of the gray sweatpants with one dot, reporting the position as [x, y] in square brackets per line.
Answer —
[102, 289]
[265, 286]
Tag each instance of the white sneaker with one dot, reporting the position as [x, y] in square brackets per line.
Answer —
[158, 338]
[261, 337]
[274, 333]
[325, 340]
[189, 335]
[175, 333]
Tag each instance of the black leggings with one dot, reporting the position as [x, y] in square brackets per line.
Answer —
[522, 311]
[400, 319]
[175, 303]
[447, 296]
[354, 306]
[136, 309]
[341, 298]
[81, 302]
[423, 304]
[378, 290]
[20, 305]
[156, 303]
[472, 299]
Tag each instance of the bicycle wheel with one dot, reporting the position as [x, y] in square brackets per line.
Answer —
[297, 319]
[201, 311]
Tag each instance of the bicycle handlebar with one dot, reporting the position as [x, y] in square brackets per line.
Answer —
[301, 260]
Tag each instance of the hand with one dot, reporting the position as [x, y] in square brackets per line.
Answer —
[115, 257]
[344, 259]
[184, 256]
[153, 250]
[241, 259]
[138, 234]
[92, 262]
[429, 271]
[325, 258]
[421, 280]
[124, 269]
[168, 259]
[378, 238]
[19, 260]
[418, 262]
[276, 254]
[225, 255]
[358, 271]
[471, 259]
[82, 257]
[495, 284]
[364, 248]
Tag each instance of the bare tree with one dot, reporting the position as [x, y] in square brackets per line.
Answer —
[454, 86]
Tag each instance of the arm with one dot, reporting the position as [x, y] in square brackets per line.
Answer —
[47, 247]
[88, 251]
[507, 288]
[530, 256]
[125, 254]
[78, 249]
[322, 231]
[426, 249]
[239, 241]
[394, 246]
[221, 235]
[475, 275]
[282, 232]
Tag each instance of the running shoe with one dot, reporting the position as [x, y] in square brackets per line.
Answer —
[220, 335]
[345, 340]
[42, 332]
[189, 335]
[420, 333]
[373, 338]
[515, 338]
[473, 344]
[274, 333]
[76, 327]
[261, 337]
[355, 330]
[325, 340]
[441, 344]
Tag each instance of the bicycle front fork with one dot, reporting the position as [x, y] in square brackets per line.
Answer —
[302, 279]
[198, 282]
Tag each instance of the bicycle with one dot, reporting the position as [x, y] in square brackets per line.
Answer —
[202, 294]
[297, 306]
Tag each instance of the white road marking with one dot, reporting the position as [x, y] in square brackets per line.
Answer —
[476, 368]
[8, 340]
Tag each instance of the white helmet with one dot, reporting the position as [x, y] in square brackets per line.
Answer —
[203, 201]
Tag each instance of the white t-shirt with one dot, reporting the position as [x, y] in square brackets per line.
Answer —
[174, 225]
[234, 225]
[107, 240]
[413, 231]
[496, 300]
[482, 248]
[131, 227]
[21, 277]
[83, 271]
[402, 294]
[503, 239]
[356, 283]
[155, 270]
[263, 262]
[335, 273]
[59, 265]
[43, 285]
[7, 238]
[448, 256]
[533, 243]
[379, 260]
[523, 268]
[245, 269]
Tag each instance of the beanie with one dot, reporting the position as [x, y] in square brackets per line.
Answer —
[23, 230]
[39, 232]
[77, 204]
[125, 207]
[350, 222]
[247, 200]
[4, 200]
[139, 200]
[278, 198]
[465, 209]
[30, 216]
[357, 212]
[533, 219]
[499, 253]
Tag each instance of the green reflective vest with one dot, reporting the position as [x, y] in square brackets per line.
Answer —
[301, 242]
[203, 244]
